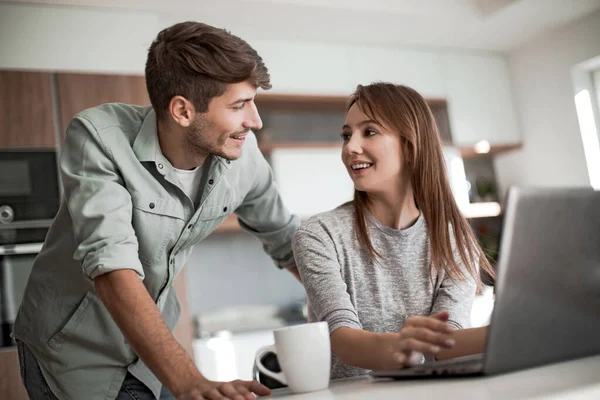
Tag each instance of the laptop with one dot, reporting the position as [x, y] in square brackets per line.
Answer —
[547, 306]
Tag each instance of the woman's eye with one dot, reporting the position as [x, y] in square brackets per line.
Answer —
[345, 136]
[370, 132]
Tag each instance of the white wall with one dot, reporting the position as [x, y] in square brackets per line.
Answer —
[75, 38]
[597, 84]
[552, 153]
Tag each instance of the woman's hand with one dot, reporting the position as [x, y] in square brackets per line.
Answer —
[422, 335]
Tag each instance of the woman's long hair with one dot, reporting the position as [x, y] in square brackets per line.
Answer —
[406, 112]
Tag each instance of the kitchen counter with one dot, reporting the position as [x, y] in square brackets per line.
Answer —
[578, 379]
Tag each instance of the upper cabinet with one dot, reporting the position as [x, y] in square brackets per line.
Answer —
[76, 92]
[480, 103]
[316, 121]
[477, 87]
[26, 112]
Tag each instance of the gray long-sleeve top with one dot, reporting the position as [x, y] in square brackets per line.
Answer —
[348, 288]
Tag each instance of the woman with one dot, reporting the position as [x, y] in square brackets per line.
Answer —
[393, 272]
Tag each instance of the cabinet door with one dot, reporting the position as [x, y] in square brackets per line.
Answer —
[480, 101]
[76, 92]
[26, 114]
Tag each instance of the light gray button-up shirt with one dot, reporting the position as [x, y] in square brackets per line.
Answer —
[123, 208]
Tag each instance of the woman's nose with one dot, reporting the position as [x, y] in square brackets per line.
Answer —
[353, 145]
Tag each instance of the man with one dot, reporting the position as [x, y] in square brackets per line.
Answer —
[142, 185]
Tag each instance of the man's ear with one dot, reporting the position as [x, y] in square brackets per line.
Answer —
[181, 111]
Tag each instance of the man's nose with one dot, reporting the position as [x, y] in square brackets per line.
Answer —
[253, 121]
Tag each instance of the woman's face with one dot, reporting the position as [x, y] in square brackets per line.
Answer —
[371, 153]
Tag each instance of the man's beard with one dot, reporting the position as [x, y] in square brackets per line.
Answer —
[198, 140]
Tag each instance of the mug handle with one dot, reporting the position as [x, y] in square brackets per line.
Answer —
[259, 354]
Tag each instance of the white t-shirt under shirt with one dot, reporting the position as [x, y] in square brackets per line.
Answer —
[190, 182]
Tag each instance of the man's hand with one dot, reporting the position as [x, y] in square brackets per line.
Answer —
[422, 335]
[235, 390]
[294, 271]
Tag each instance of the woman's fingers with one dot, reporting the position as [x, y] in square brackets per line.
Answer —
[428, 336]
[432, 323]
[441, 315]
[412, 344]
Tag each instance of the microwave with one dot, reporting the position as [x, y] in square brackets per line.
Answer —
[29, 197]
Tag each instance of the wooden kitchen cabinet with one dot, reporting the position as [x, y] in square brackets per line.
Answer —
[26, 111]
[11, 385]
[76, 92]
[316, 121]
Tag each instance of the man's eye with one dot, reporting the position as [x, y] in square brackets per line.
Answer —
[238, 108]
[345, 137]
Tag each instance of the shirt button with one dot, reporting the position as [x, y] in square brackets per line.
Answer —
[211, 181]
[190, 226]
[225, 209]
[228, 161]
[151, 205]
[160, 166]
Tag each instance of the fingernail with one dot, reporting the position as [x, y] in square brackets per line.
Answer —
[449, 342]
[435, 349]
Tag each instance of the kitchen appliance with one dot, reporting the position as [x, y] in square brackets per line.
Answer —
[29, 196]
[29, 200]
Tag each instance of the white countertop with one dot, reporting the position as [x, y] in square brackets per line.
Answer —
[578, 379]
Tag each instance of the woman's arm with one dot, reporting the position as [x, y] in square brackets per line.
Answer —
[456, 296]
[468, 341]
[369, 350]
[329, 301]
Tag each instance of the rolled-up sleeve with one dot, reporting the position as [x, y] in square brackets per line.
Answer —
[263, 214]
[319, 268]
[98, 202]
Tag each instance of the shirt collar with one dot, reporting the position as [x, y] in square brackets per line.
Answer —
[147, 148]
[146, 142]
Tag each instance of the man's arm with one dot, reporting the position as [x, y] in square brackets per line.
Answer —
[262, 213]
[136, 314]
[294, 271]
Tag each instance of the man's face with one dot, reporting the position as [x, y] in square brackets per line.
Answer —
[222, 130]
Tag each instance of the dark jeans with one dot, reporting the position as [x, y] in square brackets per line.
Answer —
[38, 389]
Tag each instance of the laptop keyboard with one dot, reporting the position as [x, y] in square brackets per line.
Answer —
[462, 365]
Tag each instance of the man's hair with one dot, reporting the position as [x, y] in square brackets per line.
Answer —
[198, 61]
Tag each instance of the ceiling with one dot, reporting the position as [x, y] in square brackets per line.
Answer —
[496, 25]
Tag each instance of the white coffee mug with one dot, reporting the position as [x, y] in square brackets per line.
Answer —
[304, 355]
